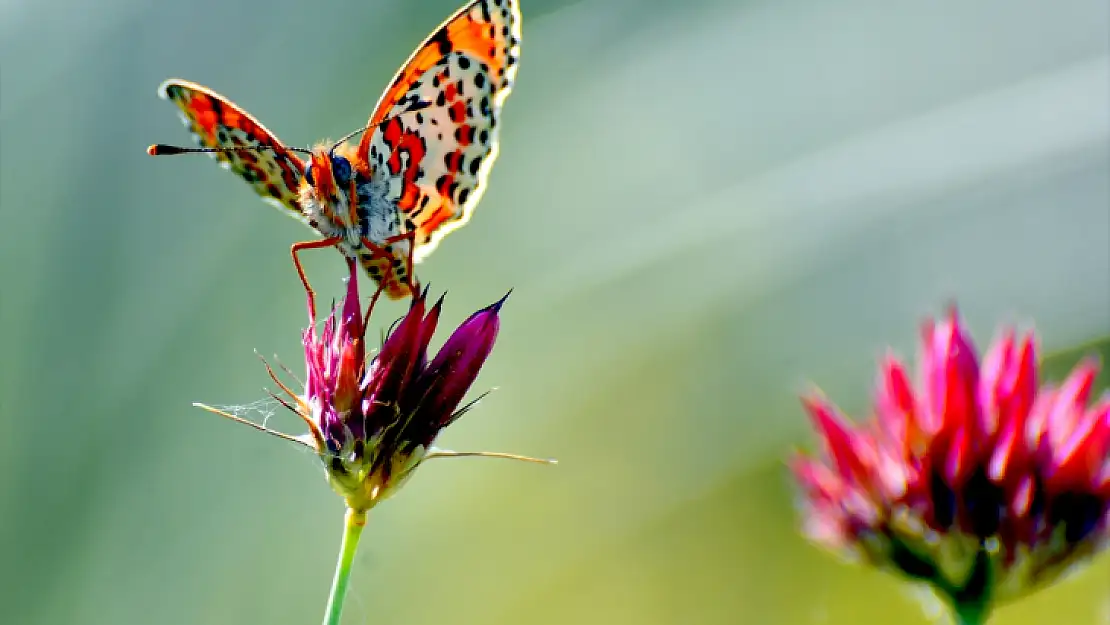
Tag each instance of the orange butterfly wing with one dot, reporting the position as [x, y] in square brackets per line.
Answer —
[216, 122]
[437, 159]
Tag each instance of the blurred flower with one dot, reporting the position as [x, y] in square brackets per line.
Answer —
[974, 480]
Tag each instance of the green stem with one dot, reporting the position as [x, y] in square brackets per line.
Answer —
[971, 605]
[352, 529]
[970, 614]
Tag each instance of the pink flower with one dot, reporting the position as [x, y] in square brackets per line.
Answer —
[974, 479]
[373, 420]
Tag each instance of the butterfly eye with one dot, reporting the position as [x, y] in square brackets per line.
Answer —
[308, 175]
[341, 167]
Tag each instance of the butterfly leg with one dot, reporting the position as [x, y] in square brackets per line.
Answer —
[373, 302]
[378, 250]
[310, 245]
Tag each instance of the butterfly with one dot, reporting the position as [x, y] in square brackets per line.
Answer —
[419, 168]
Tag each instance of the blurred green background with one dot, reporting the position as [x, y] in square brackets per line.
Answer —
[702, 205]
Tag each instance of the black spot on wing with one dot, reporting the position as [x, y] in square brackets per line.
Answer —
[442, 40]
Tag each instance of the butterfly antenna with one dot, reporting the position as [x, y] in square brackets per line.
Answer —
[415, 106]
[161, 149]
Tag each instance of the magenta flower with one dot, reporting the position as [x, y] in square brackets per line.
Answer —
[373, 420]
[975, 480]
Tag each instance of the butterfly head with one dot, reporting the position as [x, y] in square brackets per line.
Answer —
[329, 186]
[330, 175]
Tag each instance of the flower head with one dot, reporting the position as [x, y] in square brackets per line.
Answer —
[373, 420]
[974, 479]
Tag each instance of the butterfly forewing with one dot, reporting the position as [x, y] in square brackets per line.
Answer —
[274, 171]
[438, 159]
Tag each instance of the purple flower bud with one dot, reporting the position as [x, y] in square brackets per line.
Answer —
[447, 378]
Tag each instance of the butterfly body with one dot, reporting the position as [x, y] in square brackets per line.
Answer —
[344, 199]
[417, 172]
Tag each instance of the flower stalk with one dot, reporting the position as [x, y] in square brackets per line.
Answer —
[970, 614]
[353, 522]
[971, 603]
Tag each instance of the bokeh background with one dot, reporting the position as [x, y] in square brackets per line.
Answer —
[703, 206]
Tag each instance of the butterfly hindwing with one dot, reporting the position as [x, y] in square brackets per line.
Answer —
[437, 158]
[216, 122]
